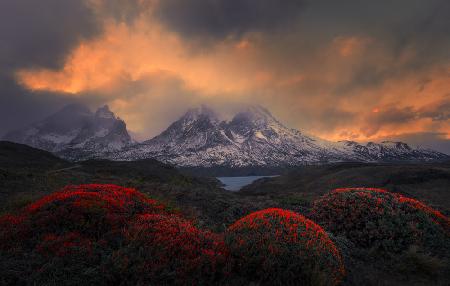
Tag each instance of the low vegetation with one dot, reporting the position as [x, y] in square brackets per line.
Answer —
[106, 234]
[92, 239]
[387, 238]
[375, 218]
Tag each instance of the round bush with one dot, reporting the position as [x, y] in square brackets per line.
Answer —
[375, 218]
[280, 247]
[67, 237]
[96, 211]
[168, 250]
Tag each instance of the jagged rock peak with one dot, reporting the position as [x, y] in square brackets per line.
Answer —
[74, 132]
[105, 112]
[202, 112]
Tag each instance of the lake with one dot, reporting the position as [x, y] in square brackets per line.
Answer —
[236, 183]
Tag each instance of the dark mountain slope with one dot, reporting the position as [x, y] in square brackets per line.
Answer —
[13, 155]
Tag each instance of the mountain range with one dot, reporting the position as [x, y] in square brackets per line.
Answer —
[75, 132]
[253, 137]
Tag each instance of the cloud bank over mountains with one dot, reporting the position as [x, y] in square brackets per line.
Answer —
[360, 70]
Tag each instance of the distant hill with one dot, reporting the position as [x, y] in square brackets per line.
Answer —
[13, 155]
[27, 174]
[428, 182]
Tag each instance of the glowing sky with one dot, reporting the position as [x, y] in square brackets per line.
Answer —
[351, 69]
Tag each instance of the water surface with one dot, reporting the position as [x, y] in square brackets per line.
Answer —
[236, 183]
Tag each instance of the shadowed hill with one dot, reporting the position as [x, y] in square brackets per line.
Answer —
[27, 174]
[14, 155]
[427, 182]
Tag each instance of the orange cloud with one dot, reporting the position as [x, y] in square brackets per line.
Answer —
[348, 46]
[246, 70]
[133, 51]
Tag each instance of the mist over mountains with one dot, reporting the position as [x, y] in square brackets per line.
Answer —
[253, 137]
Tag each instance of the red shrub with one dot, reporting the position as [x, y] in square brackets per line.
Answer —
[166, 249]
[276, 246]
[377, 218]
[69, 231]
[70, 243]
[107, 197]
[98, 211]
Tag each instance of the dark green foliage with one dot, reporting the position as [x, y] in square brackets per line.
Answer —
[374, 218]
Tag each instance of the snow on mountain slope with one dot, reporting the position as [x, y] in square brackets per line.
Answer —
[75, 132]
[255, 138]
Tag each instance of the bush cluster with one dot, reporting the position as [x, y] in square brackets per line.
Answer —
[377, 219]
[280, 247]
[77, 235]
[110, 235]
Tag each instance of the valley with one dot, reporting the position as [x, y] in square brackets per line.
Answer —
[28, 173]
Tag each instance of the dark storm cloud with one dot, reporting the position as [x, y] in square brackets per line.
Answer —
[37, 34]
[437, 112]
[221, 18]
[126, 11]
[421, 26]
[401, 41]
[388, 115]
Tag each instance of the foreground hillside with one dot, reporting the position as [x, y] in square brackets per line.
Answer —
[104, 234]
[29, 174]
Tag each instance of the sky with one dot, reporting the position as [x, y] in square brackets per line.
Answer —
[342, 70]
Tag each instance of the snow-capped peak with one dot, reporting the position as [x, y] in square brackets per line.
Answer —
[254, 137]
[75, 132]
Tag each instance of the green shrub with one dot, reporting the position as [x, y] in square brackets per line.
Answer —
[387, 222]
